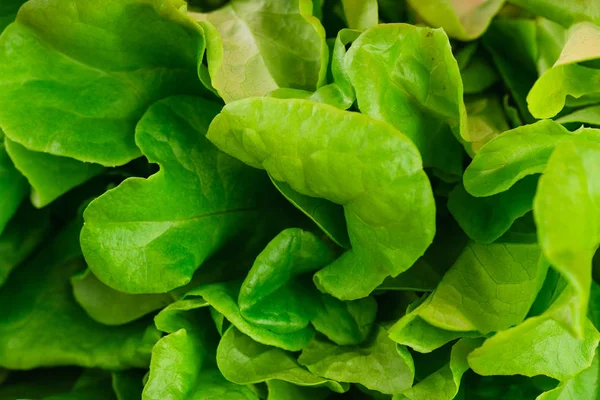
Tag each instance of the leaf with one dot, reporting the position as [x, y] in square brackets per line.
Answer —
[588, 115]
[49, 176]
[461, 19]
[128, 385]
[444, 383]
[22, 236]
[257, 47]
[46, 327]
[244, 361]
[485, 219]
[377, 364]
[567, 77]
[478, 75]
[206, 197]
[12, 186]
[567, 211]
[88, 71]
[512, 156]
[360, 14]
[273, 296]
[222, 296]
[565, 13]
[406, 76]
[280, 390]
[375, 172]
[524, 348]
[328, 216]
[489, 288]
[583, 386]
[111, 307]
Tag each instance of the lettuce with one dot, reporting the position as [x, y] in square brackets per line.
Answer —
[303, 199]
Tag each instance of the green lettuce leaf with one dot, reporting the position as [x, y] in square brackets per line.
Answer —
[362, 364]
[461, 19]
[128, 385]
[568, 77]
[361, 14]
[87, 72]
[281, 390]
[563, 12]
[244, 361]
[375, 172]
[46, 327]
[584, 385]
[418, 92]
[49, 176]
[485, 118]
[111, 307]
[206, 198]
[257, 47]
[567, 211]
[8, 12]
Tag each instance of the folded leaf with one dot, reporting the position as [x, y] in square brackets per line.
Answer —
[406, 76]
[512, 156]
[45, 326]
[222, 296]
[49, 176]
[378, 364]
[273, 296]
[111, 307]
[13, 187]
[486, 119]
[258, 47]
[444, 383]
[87, 72]
[485, 219]
[568, 78]
[462, 19]
[567, 213]
[244, 361]
[374, 171]
[206, 197]
[583, 386]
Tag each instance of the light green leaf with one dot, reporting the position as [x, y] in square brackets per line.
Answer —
[478, 75]
[222, 296]
[568, 78]
[257, 47]
[512, 156]
[375, 172]
[485, 219]
[567, 214]
[407, 76]
[13, 187]
[111, 307]
[206, 197]
[485, 118]
[588, 115]
[46, 327]
[244, 361]
[524, 349]
[564, 12]
[462, 19]
[377, 364]
[583, 386]
[360, 14]
[49, 176]
[22, 236]
[88, 70]
[273, 295]
[489, 288]
[328, 216]
[445, 382]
